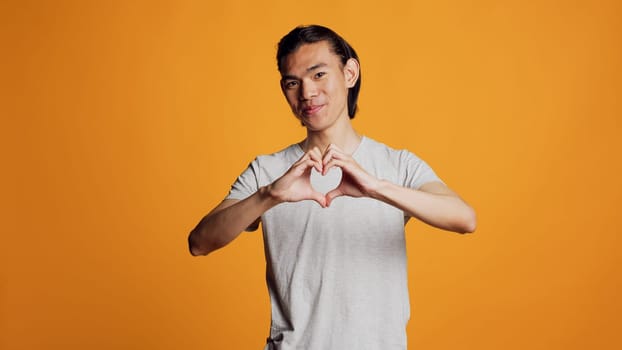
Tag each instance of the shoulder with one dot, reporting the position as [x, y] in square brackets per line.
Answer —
[400, 165]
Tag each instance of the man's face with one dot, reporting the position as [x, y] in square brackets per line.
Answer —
[315, 84]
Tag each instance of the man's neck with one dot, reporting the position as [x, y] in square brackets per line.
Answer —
[344, 137]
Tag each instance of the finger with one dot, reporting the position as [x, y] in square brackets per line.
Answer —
[332, 195]
[333, 163]
[302, 166]
[317, 165]
[333, 152]
[315, 154]
[327, 158]
[320, 198]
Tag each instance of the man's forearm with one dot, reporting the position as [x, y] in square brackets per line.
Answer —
[443, 209]
[223, 225]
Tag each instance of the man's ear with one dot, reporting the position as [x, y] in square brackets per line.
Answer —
[351, 71]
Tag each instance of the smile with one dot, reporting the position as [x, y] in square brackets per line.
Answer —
[311, 110]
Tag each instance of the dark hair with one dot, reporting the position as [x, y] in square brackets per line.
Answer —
[314, 33]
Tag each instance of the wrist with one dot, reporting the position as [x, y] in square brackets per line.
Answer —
[268, 195]
[380, 189]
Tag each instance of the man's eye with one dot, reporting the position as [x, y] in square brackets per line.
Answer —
[319, 75]
[290, 84]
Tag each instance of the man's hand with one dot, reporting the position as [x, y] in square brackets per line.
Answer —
[355, 182]
[295, 184]
[433, 203]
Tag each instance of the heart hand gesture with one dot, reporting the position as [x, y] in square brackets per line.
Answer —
[295, 184]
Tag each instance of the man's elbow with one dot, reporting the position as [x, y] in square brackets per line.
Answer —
[197, 249]
[468, 222]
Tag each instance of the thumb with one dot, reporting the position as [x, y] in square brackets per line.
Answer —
[320, 198]
[332, 195]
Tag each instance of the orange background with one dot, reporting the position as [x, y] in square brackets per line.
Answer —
[124, 122]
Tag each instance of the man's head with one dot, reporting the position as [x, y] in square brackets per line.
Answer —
[311, 34]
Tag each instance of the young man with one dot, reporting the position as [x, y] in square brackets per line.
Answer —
[333, 209]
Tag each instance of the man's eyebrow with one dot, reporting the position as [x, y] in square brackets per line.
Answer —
[312, 68]
[316, 66]
[288, 77]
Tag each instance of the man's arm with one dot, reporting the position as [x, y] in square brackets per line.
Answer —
[225, 222]
[433, 203]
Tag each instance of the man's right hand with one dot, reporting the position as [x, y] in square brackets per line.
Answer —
[295, 184]
[225, 222]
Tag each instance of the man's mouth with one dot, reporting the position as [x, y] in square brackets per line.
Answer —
[311, 110]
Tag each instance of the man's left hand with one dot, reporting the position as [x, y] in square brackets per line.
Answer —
[355, 181]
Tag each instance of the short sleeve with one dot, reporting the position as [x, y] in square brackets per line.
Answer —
[414, 172]
[246, 184]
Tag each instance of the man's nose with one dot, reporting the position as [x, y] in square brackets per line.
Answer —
[308, 90]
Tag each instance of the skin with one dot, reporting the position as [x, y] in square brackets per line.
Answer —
[315, 84]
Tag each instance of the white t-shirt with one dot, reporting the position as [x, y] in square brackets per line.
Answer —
[337, 276]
